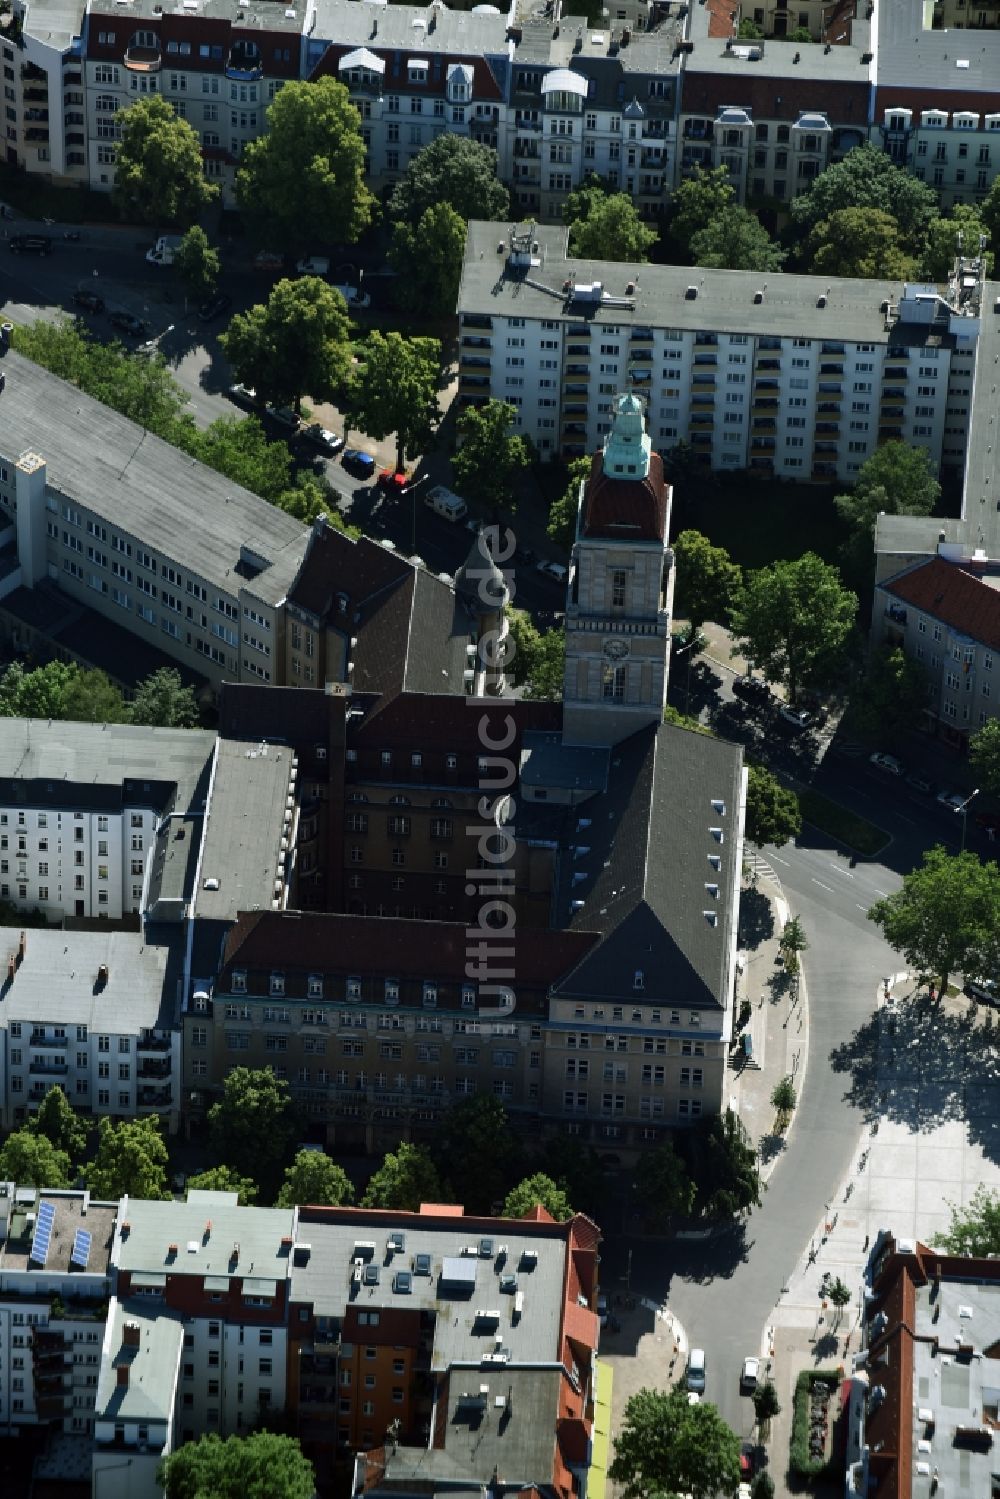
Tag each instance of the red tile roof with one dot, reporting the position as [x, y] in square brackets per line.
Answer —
[633, 508]
[947, 592]
[722, 17]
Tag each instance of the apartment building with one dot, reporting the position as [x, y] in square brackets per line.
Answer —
[438, 1347]
[774, 113]
[44, 90]
[95, 1014]
[791, 375]
[55, 1280]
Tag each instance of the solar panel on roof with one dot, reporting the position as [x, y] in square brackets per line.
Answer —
[43, 1233]
[81, 1248]
[46, 1214]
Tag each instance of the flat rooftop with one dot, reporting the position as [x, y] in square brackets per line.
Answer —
[73, 1212]
[405, 27]
[288, 16]
[963, 1392]
[244, 828]
[205, 1229]
[912, 56]
[57, 981]
[775, 58]
[724, 302]
[145, 488]
[101, 766]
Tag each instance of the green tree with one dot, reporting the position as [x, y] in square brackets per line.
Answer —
[975, 1228]
[863, 242]
[224, 1179]
[131, 1159]
[736, 240]
[697, 201]
[707, 580]
[263, 1465]
[668, 1446]
[428, 259]
[91, 697]
[722, 1163]
[773, 813]
[313, 495]
[867, 179]
[197, 263]
[663, 1187]
[946, 917]
[35, 694]
[298, 342]
[60, 1124]
[251, 1125]
[766, 1404]
[314, 1178]
[477, 1153]
[455, 170]
[238, 447]
[159, 177]
[889, 701]
[303, 178]
[783, 1096]
[902, 479]
[612, 230]
[162, 700]
[538, 659]
[763, 1486]
[563, 511]
[537, 1191]
[794, 619]
[591, 192]
[942, 241]
[750, 31]
[397, 390]
[492, 456]
[792, 942]
[406, 1178]
[984, 754]
[989, 211]
[839, 1295]
[31, 1160]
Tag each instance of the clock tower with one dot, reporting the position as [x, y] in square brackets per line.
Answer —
[620, 589]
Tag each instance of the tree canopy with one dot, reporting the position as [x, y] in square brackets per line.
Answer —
[984, 753]
[699, 199]
[263, 1465]
[946, 917]
[773, 813]
[131, 1160]
[251, 1125]
[163, 701]
[537, 659]
[707, 580]
[561, 525]
[477, 1153]
[863, 242]
[406, 1178]
[455, 170]
[396, 391]
[963, 219]
[865, 179]
[314, 1178]
[794, 620]
[31, 1160]
[492, 456]
[668, 1446]
[612, 228]
[159, 178]
[428, 260]
[975, 1228]
[197, 262]
[722, 1163]
[224, 1179]
[60, 1124]
[298, 342]
[889, 701]
[303, 178]
[735, 240]
[538, 1191]
[663, 1186]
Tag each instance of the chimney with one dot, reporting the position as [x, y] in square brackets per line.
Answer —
[11, 967]
[22, 948]
[234, 1257]
[102, 975]
[131, 1334]
[208, 1232]
[122, 1376]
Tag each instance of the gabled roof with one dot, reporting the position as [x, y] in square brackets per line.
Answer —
[951, 594]
[422, 720]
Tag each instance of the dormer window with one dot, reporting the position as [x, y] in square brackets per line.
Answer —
[717, 834]
[638, 979]
[277, 983]
[716, 861]
[239, 981]
[392, 991]
[719, 807]
[468, 996]
[354, 988]
[315, 986]
[416, 69]
[430, 995]
[713, 891]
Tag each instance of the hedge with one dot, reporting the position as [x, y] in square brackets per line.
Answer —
[800, 1461]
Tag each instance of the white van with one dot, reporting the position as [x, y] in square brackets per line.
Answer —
[446, 504]
[164, 250]
[354, 297]
[313, 265]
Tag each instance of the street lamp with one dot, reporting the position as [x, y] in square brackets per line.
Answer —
[680, 651]
[964, 809]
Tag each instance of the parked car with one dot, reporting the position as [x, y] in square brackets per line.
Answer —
[797, 718]
[750, 687]
[602, 1309]
[214, 307]
[695, 1377]
[888, 763]
[282, 417]
[243, 395]
[394, 480]
[321, 437]
[553, 570]
[88, 300]
[749, 1374]
[952, 800]
[988, 990]
[129, 323]
[312, 265]
[358, 462]
[268, 260]
[354, 297]
[920, 782]
[32, 244]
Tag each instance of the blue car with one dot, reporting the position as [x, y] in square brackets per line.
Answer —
[358, 462]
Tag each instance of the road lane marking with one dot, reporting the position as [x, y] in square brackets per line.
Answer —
[860, 906]
[820, 883]
[848, 874]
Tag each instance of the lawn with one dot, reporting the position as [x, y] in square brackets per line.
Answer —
[847, 827]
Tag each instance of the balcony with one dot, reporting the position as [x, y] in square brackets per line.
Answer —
[697, 130]
[48, 1067]
[576, 371]
[575, 389]
[575, 408]
[832, 366]
[709, 361]
[830, 388]
[889, 432]
[828, 427]
[154, 1098]
[642, 335]
[143, 59]
[39, 1038]
[765, 385]
[895, 372]
[148, 1042]
[703, 398]
[473, 382]
[832, 407]
[474, 362]
[764, 424]
[702, 439]
[578, 351]
[762, 444]
[524, 122]
[767, 364]
[896, 613]
[702, 418]
[766, 403]
[244, 64]
[574, 429]
[641, 356]
[824, 449]
[72, 80]
[149, 1069]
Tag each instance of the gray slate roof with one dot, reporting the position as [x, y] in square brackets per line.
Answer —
[243, 828]
[203, 1250]
[910, 57]
[147, 489]
[56, 982]
[153, 1367]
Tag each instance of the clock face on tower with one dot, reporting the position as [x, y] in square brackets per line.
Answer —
[616, 649]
